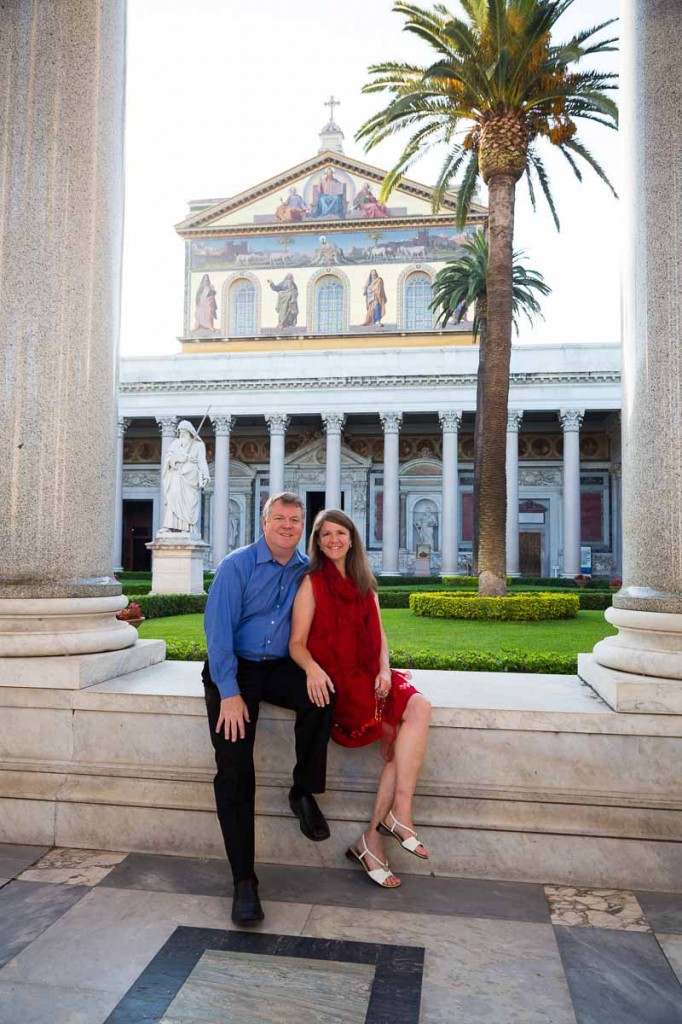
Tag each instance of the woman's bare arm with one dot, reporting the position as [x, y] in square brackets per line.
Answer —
[383, 679]
[319, 683]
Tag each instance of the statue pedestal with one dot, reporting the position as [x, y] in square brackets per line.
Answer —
[422, 560]
[177, 563]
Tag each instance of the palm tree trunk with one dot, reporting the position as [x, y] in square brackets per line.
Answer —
[492, 580]
[482, 314]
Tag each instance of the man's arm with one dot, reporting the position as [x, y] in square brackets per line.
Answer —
[221, 618]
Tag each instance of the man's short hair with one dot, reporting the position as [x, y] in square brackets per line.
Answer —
[287, 498]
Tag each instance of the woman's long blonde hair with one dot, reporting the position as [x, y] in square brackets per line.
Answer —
[357, 563]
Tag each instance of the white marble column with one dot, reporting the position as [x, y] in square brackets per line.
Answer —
[391, 504]
[222, 427]
[61, 154]
[278, 423]
[571, 420]
[640, 669]
[123, 425]
[450, 421]
[167, 429]
[333, 424]
[512, 533]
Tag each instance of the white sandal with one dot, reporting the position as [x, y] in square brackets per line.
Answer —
[411, 843]
[379, 875]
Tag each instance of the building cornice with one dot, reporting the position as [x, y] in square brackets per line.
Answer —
[439, 380]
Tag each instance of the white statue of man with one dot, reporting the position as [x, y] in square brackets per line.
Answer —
[184, 475]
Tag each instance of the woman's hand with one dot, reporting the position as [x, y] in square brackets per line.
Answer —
[382, 683]
[319, 685]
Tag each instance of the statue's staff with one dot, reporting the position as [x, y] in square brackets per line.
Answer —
[203, 420]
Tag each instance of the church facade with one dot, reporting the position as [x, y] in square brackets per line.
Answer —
[312, 362]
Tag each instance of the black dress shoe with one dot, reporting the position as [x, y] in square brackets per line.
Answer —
[313, 822]
[246, 908]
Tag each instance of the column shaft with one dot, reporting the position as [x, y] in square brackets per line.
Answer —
[61, 154]
[450, 422]
[278, 424]
[391, 506]
[333, 422]
[512, 469]
[222, 426]
[570, 421]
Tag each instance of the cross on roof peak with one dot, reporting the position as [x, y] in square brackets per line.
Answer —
[331, 103]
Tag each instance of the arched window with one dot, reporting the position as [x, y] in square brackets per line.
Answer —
[418, 316]
[329, 305]
[242, 308]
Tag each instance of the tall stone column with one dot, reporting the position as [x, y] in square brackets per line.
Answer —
[61, 154]
[333, 424]
[512, 536]
[278, 423]
[570, 420]
[450, 421]
[123, 425]
[222, 427]
[640, 669]
[391, 514]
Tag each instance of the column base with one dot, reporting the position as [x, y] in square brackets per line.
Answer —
[177, 564]
[51, 627]
[81, 670]
[640, 669]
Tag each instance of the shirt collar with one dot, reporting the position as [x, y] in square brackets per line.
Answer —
[264, 554]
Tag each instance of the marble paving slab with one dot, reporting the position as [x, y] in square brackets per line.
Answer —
[395, 980]
[269, 990]
[464, 897]
[672, 947]
[73, 867]
[15, 858]
[595, 908]
[475, 971]
[27, 909]
[108, 938]
[663, 910]
[48, 1004]
[618, 976]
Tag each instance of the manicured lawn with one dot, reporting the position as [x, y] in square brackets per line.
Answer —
[405, 630]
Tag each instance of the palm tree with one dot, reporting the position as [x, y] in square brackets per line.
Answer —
[499, 88]
[462, 284]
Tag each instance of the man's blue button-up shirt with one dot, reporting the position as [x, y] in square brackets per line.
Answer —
[248, 611]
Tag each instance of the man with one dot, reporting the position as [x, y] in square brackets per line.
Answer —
[247, 623]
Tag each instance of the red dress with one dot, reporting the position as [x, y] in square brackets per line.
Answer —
[345, 640]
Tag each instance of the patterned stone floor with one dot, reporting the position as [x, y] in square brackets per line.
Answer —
[88, 937]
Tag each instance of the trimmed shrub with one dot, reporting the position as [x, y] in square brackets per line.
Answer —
[135, 589]
[185, 650]
[394, 598]
[518, 608]
[462, 581]
[158, 606]
[595, 601]
[550, 662]
[406, 581]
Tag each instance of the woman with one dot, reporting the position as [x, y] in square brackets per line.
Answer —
[337, 638]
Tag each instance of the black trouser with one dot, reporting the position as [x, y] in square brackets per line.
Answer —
[278, 681]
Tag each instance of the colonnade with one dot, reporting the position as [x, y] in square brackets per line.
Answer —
[333, 422]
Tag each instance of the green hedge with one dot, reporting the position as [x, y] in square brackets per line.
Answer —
[588, 601]
[158, 606]
[595, 601]
[402, 581]
[457, 661]
[518, 608]
[465, 581]
[134, 590]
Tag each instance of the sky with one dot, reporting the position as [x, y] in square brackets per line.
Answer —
[222, 94]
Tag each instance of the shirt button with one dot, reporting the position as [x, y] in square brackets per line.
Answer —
[272, 624]
[268, 641]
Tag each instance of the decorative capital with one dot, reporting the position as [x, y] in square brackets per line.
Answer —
[222, 425]
[333, 422]
[122, 426]
[571, 419]
[514, 417]
[277, 422]
[450, 419]
[167, 425]
[391, 421]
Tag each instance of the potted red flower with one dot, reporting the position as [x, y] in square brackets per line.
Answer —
[132, 614]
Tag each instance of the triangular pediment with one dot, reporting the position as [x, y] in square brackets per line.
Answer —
[328, 188]
[314, 453]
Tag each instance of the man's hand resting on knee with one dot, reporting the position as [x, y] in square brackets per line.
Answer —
[233, 715]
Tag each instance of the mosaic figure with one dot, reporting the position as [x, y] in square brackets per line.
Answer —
[375, 298]
[368, 205]
[291, 209]
[206, 309]
[287, 301]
